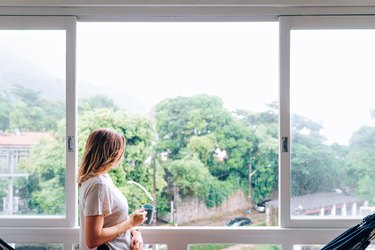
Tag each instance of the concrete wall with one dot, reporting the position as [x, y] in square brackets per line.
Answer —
[192, 209]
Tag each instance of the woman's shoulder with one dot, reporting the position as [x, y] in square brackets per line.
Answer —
[101, 180]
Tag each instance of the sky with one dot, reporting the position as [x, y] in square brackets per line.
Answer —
[45, 49]
[332, 74]
[333, 79]
[158, 60]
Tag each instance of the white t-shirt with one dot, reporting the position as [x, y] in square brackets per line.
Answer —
[99, 196]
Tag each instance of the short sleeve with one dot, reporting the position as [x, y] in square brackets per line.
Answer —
[98, 200]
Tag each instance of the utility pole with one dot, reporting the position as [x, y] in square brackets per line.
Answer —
[249, 179]
[154, 188]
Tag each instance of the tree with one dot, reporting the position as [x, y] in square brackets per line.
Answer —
[26, 118]
[5, 109]
[188, 121]
[360, 163]
[199, 125]
[202, 146]
[315, 166]
[193, 178]
[136, 166]
[96, 102]
[29, 111]
[28, 96]
[263, 154]
[44, 188]
[180, 118]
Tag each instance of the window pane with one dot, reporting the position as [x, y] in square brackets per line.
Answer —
[333, 133]
[32, 122]
[198, 105]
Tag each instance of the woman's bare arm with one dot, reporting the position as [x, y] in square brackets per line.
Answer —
[95, 234]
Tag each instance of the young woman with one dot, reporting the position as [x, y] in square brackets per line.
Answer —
[105, 223]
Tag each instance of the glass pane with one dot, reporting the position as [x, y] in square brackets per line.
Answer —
[198, 105]
[32, 122]
[233, 247]
[332, 123]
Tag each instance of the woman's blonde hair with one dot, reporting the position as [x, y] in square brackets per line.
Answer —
[104, 149]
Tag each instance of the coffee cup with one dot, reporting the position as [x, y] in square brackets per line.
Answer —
[150, 212]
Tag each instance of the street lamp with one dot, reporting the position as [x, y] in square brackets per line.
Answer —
[251, 173]
[143, 188]
[154, 178]
[148, 195]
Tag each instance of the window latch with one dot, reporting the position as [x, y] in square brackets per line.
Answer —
[284, 144]
[70, 143]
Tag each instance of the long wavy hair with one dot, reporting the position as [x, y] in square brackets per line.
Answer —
[104, 149]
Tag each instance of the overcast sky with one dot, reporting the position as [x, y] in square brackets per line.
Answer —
[236, 61]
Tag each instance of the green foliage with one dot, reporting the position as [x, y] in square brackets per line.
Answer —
[190, 175]
[26, 110]
[5, 108]
[190, 129]
[268, 247]
[193, 178]
[202, 146]
[50, 199]
[3, 188]
[363, 138]
[178, 119]
[263, 155]
[313, 170]
[360, 163]
[199, 125]
[315, 166]
[45, 186]
[96, 102]
[264, 181]
[216, 191]
[139, 132]
[21, 116]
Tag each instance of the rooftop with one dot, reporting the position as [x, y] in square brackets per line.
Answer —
[318, 200]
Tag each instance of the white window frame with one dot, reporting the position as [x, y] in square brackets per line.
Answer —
[305, 23]
[69, 25]
[179, 238]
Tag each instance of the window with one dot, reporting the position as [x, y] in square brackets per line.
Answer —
[331, 119]
[33, 128]
[140, 52]
[198, 105]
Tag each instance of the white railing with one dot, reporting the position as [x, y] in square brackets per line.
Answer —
[179, 238]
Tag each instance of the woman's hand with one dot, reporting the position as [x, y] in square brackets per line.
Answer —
[137, 217]
[136, 241]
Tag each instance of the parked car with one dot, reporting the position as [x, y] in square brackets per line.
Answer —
[238, 222]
